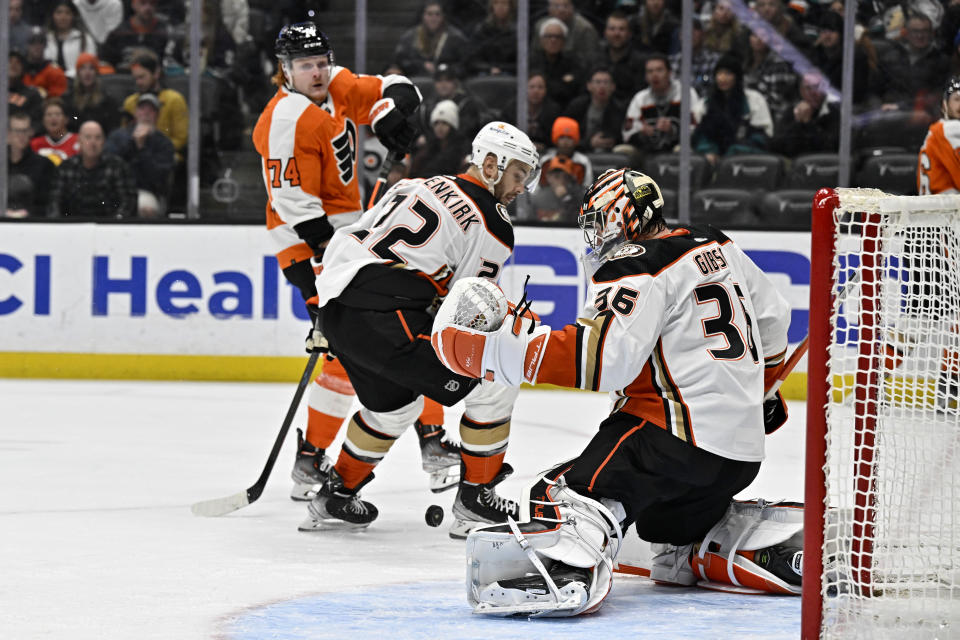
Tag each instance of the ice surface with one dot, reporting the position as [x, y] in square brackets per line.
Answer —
[97, 539]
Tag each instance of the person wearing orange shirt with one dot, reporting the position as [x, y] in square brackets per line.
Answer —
[938, 167]
[307, 137]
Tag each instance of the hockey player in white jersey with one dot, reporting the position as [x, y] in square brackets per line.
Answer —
[688, 335]
[380, 283]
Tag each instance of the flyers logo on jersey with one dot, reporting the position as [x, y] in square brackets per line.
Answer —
[345, 150]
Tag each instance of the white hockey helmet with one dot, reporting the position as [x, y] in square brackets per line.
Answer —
[507, 143]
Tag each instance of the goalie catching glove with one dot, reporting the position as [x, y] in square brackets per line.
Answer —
[476, 334]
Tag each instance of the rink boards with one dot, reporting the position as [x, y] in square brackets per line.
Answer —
[208, 302]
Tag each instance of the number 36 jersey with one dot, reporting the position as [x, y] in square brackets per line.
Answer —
[443, 228]
[686, 332]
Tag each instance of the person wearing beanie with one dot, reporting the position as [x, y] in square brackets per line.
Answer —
[445, 147]
[565, 135]
[87, 100]
[736, 120]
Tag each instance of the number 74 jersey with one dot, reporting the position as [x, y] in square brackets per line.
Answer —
[444, 228]
[686, 332]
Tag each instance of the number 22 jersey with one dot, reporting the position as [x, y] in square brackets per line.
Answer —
[686, 332]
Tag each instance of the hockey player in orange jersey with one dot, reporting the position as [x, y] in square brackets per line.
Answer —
[307, 138]
[687, 334]
[938, 167]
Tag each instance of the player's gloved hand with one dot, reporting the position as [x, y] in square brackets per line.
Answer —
[391, 126]
[315, 340]
[510, 355]
[774, 413]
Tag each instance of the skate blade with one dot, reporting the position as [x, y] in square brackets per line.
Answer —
[443, 479]
[333, 524]
[304, 492]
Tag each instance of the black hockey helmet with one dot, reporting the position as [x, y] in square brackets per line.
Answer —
[620, 206]
[301, 40]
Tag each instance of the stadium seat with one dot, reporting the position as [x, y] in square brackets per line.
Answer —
[493, 91]
[723, 208]
[603, 161]
[813, 170]
[208, 92]
[893, 173]
[664, 168]
[891, 129]
[118, 86]
[871, 152]
[787, 209]
[754, 171]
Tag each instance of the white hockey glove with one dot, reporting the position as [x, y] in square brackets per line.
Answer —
[476, 335]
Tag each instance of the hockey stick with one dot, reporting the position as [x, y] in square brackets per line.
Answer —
[392, 158]
[223, 506]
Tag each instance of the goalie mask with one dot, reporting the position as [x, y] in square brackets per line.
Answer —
[620, 206]
[507, 143]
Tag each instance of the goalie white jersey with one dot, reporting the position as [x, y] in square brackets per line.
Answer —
[444, 228]
[686, 332]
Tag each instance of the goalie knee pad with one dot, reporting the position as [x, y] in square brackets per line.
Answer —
[559, 564]
[755, 548]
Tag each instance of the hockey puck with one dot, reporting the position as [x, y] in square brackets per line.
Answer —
[434, 515]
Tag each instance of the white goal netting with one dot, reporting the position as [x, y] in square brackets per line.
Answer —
[891, 550]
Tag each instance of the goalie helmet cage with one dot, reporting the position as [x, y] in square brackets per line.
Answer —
[882, 516]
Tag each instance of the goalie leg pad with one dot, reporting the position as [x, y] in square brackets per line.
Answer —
[544, 567]
[754, 547]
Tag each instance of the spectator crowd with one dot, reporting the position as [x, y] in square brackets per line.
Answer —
[603, 89]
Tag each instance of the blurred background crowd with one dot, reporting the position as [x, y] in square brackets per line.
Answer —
[100, 105]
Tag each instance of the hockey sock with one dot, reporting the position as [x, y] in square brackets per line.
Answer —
[482, 449]
[362, 450]
[331, 396]
[432, 412]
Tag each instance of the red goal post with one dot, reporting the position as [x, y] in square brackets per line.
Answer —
[882, 504]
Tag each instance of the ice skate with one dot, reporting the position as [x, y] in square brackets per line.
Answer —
[440, 457]
[520, 596]
[478, 504]
[336, 507]
[782, 561]
[309, 470]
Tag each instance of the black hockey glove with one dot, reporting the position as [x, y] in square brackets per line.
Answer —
[774, 413]
[392, 127]
[316, 233]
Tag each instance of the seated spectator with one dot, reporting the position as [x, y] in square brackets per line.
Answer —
[145, 150]
[702, 60]
[775, 13]
[735, 120]
[173, 120]
[445, 148]
[430, 43]
[654, 28]
[599, 114]
[724, 33]
[56, 143]
[812, 125]
[618, 54]
[580, 39]
[771, 75]
[566, 136]
[446, 86]
[493, 43]
[559, 199]
[652, 123]
[40, 73]
[144, 29]
[93, 184]
[18, 26]
[827, 55]
[21, 96]
[66, 39]
[87, 100]
[541, 111]
[914, 69]
[563, 71]
[100, 17]
[33, 174]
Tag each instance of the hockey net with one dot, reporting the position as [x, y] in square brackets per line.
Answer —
[882, 528]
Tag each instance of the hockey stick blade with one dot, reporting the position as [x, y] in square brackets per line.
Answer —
[229, 504]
